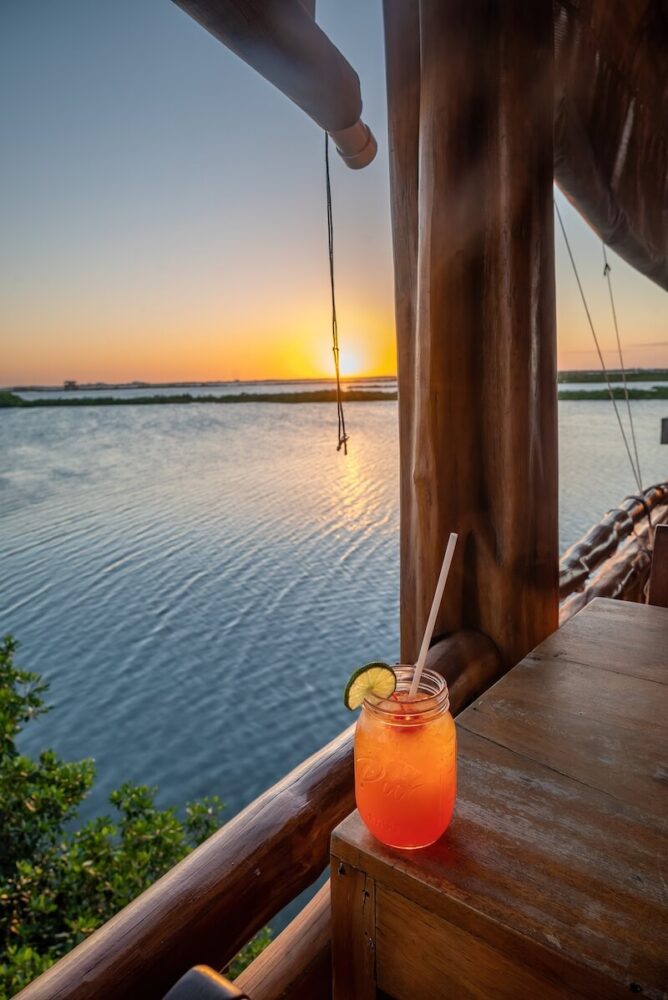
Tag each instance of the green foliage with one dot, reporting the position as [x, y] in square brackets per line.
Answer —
[246, 956]
[8, 398]
[59, 885]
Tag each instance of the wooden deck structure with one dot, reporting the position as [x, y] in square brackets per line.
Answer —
[488, 100]
[548, 881]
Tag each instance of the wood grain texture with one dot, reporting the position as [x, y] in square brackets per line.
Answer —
[437, 959]
[470, 95]
[622, 636]
[402, 68]
[658, 582]
[591, 704]
[298, 963]
[353, 933]
[556, 855]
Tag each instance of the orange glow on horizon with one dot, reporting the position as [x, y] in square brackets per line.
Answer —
[168, 353]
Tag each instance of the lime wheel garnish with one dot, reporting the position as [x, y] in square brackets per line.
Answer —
[375, 681]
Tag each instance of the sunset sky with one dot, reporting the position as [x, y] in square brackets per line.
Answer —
[163, 217]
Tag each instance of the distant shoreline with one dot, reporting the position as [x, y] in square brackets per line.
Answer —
[193, 384]
[11, 400]
[566, 376]
[615, 375]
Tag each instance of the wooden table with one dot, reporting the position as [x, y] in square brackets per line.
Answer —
[552, 880]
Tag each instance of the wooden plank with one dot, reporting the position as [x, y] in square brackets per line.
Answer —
[422, 955]
[579, 690]
[587, 741]
[611, 635]
[472, 201]
[298, 963]
[536, 859]
[353, 932]
[658, 581]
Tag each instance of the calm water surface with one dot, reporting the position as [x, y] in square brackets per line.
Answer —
[197, 582]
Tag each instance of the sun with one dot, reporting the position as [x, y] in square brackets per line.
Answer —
[350, 363]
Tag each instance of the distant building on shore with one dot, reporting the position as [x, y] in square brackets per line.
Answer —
[70, 383]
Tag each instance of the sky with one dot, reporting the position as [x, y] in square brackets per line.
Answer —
[162, 211]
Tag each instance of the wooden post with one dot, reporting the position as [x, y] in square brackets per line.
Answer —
[353, 933]
[470, 96]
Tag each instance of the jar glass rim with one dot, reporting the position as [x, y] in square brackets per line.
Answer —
[432, 699]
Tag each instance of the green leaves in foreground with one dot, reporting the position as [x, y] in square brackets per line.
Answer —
[57, 885]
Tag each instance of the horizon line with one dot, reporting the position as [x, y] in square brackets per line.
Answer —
[144, 383]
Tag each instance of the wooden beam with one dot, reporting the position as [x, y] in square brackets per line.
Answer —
[614, 558]
[589, 554]
[297, 964]
[470, 90]
[470, 663]
[282, 42]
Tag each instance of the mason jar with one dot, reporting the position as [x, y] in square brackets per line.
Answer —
[406, 762]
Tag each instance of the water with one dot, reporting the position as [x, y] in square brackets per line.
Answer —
[197, 582]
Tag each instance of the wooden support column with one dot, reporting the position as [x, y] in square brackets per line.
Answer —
[470, 96]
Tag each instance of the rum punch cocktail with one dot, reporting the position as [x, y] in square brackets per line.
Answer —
[406, 762]
[405, 743]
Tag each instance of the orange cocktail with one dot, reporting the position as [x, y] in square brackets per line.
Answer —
[405, 763]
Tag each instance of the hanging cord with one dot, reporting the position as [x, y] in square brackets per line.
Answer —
[598, 349]
[343, 437]
[606, 273]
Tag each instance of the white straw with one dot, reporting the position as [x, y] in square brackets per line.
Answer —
[431, 621]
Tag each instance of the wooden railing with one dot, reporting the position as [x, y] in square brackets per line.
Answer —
[209, 905]
[212, 902]
[614, 558]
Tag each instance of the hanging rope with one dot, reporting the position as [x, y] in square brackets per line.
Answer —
[598, 349]
[606, 273]
[343, 437]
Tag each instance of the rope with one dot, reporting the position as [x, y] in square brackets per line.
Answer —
[598, 348]
[606, 273]
[646, 507]
[343, 437]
